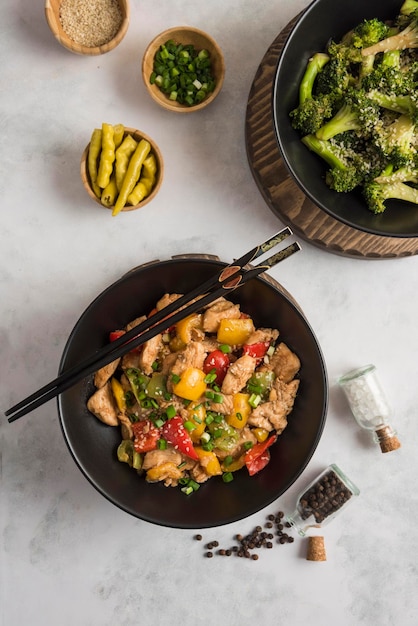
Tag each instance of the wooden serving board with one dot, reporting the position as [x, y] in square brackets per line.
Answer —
[282, 194]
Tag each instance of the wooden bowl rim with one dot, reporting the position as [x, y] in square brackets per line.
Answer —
[148, 58]
[54, 23]
[136, 134]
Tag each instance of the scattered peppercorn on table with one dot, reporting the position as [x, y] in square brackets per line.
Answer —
[70, 557]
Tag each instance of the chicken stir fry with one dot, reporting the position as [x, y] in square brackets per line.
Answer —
[205, 398]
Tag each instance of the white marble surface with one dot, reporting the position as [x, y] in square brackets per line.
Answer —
[68, 557]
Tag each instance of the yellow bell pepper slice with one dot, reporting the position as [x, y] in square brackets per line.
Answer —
[118, 394]
[185, 326]
[209, 461]
[241, 410]
[196, 414]
[235, 332]
[260, 434]
[191, 384]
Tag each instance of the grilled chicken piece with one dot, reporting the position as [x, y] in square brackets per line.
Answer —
[221, 309]
[135, 322]
[263, 334]
[238, 374]
[167, 299]
[103, 406]
[284, 363]
[193, 355]
[154, 458]
[272, 415]
[225, 407]
[105, 373]
[149, 353]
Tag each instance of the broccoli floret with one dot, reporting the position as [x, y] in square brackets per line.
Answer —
[369, 32]
[343, 175]
[406, 174]
[312, 111]
[406, 38]
[397, 141]
[314, 66]
[376, 194]
[358, 112]
[403, 104]
[336, 75]
[309, 116]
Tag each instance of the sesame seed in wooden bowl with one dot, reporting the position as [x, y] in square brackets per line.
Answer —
[88, 27]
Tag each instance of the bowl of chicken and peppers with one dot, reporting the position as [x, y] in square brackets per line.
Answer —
[211, 420]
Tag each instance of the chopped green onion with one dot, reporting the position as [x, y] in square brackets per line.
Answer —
[155, 366]
[218, 418]
[170, 411]
[227, 477]
[205, 437]
[162, 444]
[208, 447]
[189, 426]
[225, 348]
[218, 398]
[175, 378]
[248, 445]
[159, 422]
[183, 73]
[209, 419]
[181, 466]
[187, 490]
[254, 400]
[228, 460]
[210, 377]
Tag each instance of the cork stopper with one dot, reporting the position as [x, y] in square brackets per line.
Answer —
[388, 440]
[316, 549]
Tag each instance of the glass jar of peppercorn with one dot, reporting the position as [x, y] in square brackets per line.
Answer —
[322, 500]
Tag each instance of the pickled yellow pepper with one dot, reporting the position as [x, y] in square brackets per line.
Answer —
[123, 154]
[118, 132]
[110, 192]
[92, 159]
[132, 174]
[107, 156]
[146, 181]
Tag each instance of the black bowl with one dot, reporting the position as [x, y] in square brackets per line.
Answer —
[321, 21]
[93, 444]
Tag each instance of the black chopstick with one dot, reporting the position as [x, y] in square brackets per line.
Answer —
[230, 278]
[227, 272]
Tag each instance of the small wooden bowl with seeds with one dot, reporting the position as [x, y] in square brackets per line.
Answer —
[88, 27]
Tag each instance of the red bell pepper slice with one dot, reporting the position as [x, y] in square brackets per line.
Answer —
[173, 432]
[257, 457]
[115, 334]
[218, 361]
[256, 350]
[146, 436]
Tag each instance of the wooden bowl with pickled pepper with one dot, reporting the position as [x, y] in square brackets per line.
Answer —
[183, 69]
[121, 168]
[88, 27]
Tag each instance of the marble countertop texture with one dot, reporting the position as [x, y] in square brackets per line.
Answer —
[68, 556]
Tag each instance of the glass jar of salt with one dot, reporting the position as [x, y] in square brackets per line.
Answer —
[323, 499]
[369, 406]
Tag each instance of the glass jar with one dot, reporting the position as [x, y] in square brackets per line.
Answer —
[369, 406]
[322, 500]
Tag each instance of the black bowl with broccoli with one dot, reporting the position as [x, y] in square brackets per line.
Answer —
[345, 107]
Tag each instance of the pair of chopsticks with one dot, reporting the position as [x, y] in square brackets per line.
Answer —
[229, 278]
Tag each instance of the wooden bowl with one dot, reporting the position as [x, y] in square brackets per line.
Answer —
[52, 13]
[137, 135]
[183, 35]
